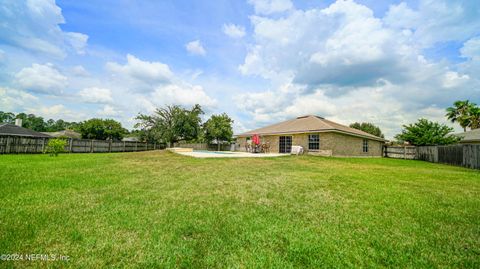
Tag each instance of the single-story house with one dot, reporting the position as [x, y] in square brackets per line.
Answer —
[8, 129]
[469, 137]
[317, 136]
[64, 133]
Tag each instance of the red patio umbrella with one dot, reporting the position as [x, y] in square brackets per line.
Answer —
[256, 139]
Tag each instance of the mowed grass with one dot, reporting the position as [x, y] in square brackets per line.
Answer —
[158, 209]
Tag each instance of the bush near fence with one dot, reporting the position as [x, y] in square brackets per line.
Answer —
[467, 155]
[16, 144]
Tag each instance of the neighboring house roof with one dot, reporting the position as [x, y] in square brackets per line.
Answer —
[308, 124]
[63, 133]
[469, 136]
[14, 130]
[131, 139]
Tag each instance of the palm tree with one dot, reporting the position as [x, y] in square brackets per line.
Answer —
[475, 117]
[460, 112]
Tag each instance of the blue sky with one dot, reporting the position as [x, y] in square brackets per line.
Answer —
[261, 61]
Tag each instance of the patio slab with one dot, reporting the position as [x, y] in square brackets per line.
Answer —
[229, 154]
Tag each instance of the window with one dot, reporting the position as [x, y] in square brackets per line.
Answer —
[365, 145]
[314, 142]
[285, 144]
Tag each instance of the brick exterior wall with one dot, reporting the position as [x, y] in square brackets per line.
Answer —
[331, 144]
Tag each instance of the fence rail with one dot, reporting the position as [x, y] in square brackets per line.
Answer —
[467, 155]
[16, 144]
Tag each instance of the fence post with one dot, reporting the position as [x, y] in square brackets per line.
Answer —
[7, 147]
[109, 145]
[91, 146]
[136, 146]
[404, 152]
[43, 145]
[123, 146]
[71, 145]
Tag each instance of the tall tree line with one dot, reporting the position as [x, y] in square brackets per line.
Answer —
[100, 129]
[37, 123]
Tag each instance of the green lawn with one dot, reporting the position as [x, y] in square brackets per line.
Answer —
[158, 209]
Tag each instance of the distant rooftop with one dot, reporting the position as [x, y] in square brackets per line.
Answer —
[306, 124]
[470, 136]
[64, 133]
[14, 130]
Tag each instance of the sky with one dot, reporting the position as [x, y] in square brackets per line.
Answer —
[260, 61]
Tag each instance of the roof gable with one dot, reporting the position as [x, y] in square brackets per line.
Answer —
[309, 123]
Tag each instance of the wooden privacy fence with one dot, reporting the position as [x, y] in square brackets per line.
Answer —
[467, 155]
[203, 146]
[406, 152]
[16, 144]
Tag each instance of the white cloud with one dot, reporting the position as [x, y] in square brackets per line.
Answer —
[471, 51]
[96, 95]
[453, 79]
[78, 41]
[34, 26]
[471, 48]
[321, 46]
[436, 21]
[344, 63]
[195, 47]
[234, 31]
[41, 79]
[148, 85]
[109, 111]
[58, 111]
[182, 94]
[15, 100]
[136, 69]
[80, 71]
[267, 7]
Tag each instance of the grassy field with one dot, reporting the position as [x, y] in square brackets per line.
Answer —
[158, 209]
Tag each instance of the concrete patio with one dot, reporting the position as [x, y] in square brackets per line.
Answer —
[228, 154]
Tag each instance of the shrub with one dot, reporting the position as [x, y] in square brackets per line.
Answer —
[56, 146]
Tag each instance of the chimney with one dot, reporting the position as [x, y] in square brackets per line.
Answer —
[18, 122]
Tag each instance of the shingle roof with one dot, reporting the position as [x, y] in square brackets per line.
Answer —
[307, 124]
[66, 133]
[470, 136]
[14, 130]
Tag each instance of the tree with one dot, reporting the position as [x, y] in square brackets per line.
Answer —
[55, 146]
[218, 128]
[189, 123]
[475, 117]
[425, 132]
[102, 129]
[171, 124]
[368, 128]
[32, 122]
[7, 117]
[460, 112]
